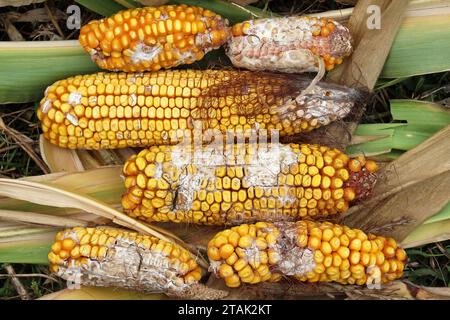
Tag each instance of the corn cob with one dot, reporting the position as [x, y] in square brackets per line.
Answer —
[243, 182]
[109, 110]
[306, 250]
[153, 38]
[105, 256]
[289, 44]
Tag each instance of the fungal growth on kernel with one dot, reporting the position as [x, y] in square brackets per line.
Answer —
[245, 183]
[304, 250]
[151, 38]
[117, 110]
[110, 257]
[289, 44]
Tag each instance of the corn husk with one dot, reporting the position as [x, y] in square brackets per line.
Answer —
[413, 188]
[369, 44]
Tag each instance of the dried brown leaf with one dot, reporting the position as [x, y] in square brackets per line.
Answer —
[372, 46]
[427, 233]
[414, 188]
[11, 30]
[49, 195]
[59, 159]
[40, 219]
[62, 159]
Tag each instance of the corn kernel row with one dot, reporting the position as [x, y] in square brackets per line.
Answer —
[305, 250]
[289, 44]
[243, 182]
[116, 110]
[151, 38]
[105, 256]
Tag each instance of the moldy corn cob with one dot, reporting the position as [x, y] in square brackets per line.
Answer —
[289, 44]
[153, 38]
[105, 256]
[243, 183]
[114, 110]
[308, 251]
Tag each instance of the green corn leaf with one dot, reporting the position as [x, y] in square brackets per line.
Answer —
[422, 45]
[27, 68]
[421, 120]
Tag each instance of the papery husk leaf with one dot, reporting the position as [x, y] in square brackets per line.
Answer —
[444, 214]
[104, 184]
[41, 219]
[427, 233]
[57, 196]
[59, 159]
[62, 159]
[369, 44]
[65, 197]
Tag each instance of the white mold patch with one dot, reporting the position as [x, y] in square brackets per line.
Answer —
[74, 98]
[265, 166]
[46, 106]
[72, 119]
[297, 261]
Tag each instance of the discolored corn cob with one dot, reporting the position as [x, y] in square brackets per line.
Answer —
[243, 182]
[152, 38]
[289, 44]
[308, 251]
[115, 110]
[105, 256]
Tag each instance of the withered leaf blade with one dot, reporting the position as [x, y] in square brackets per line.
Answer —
[372, 46]
[59, 159]
[412, 188]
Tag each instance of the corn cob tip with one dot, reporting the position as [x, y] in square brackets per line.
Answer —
[152, 38]
[362, 178]
[106, 256]
[307, 251]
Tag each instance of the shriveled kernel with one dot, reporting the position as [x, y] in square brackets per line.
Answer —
[333, 260]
